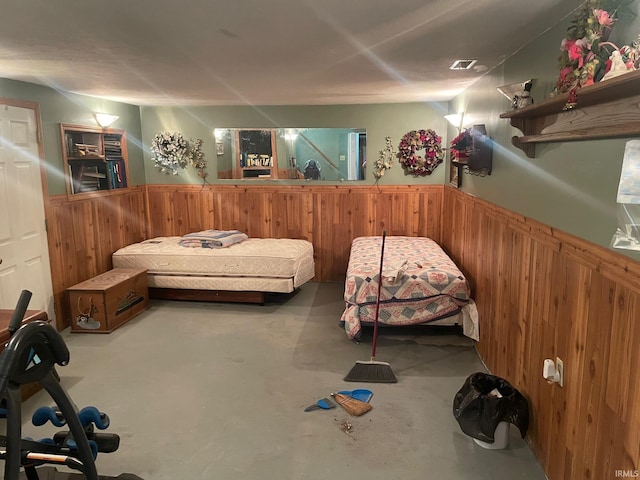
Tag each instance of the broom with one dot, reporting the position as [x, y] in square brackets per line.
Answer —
[352, 405]
[373, 371]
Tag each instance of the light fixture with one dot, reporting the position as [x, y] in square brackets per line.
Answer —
[105, 119]
[459, 120]
[291, 134]
[462, 64]
[220, 133]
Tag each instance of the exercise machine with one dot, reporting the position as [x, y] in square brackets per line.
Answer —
[30, 356]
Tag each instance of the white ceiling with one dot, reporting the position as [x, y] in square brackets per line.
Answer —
[265, 52]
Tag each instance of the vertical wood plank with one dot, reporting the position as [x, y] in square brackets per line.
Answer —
[540, 293]
[573, 300]
[82, 235]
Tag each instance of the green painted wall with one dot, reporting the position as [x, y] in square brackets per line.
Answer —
[62, 107]
[571, 186]
[381, 120]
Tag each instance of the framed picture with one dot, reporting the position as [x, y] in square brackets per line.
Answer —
[455, 179]
[220, 148]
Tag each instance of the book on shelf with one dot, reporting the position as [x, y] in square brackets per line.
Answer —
[122, 175]
[89, 187]
[72, 181]
[69, 141]
[117, 173]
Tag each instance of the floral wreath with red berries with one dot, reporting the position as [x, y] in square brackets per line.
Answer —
[414, 141]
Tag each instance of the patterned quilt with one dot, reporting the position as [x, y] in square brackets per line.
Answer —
[420, 283]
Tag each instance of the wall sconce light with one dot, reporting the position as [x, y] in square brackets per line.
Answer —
[105, 120]
[220, 133]
[459, 120]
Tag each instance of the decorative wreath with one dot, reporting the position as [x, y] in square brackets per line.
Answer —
[414, 141]
[170, 152]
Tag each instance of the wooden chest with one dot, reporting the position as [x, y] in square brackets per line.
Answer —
[103, 303]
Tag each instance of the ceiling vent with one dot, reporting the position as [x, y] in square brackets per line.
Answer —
[462, 64]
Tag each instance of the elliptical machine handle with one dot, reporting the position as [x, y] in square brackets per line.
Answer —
[14, 324]
[19, 312]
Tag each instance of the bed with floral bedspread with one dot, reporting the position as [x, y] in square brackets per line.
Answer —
[420, 284]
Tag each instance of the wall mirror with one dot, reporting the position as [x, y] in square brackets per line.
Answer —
[291, 153]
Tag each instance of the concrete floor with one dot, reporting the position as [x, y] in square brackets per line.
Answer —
[205, 390]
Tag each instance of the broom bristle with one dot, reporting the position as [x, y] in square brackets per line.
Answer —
[371, 372]
[352, 405]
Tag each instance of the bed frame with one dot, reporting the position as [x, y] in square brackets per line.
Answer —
[420, 285]
[207, 295]
[243, 272]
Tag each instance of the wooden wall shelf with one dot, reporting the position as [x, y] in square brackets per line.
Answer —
[606, 109]
[95, 159]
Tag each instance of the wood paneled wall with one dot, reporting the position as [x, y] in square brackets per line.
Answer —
[82, 235]
[84, 232]
[542, 294]
[328, 216]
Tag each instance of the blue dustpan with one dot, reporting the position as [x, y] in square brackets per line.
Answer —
[361, 394]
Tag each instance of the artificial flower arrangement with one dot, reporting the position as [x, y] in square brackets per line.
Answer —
[586, 52]
[414, 141]
[385, 159]
[171, 151]
[196, 158]
[462, 143]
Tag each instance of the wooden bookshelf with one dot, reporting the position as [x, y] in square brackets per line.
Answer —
[95, 159]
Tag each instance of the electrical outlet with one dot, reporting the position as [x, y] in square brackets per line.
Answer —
[560, 370]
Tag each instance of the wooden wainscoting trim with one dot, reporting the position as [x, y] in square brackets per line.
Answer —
[609, 262]
[329, 216]
[543, 293]
[82, 235]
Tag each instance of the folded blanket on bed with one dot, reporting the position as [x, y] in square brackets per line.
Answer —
[212, 238]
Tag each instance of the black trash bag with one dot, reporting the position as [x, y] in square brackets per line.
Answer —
[478, 411]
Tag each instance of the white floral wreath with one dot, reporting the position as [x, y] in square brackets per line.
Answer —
[385, 159]
[170, 152]
[414, 141]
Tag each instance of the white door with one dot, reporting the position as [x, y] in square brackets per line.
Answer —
[24, 256]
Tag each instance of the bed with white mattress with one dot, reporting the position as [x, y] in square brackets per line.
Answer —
[240, 272]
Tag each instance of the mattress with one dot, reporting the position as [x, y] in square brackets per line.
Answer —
[260, 264]
[420, 284]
